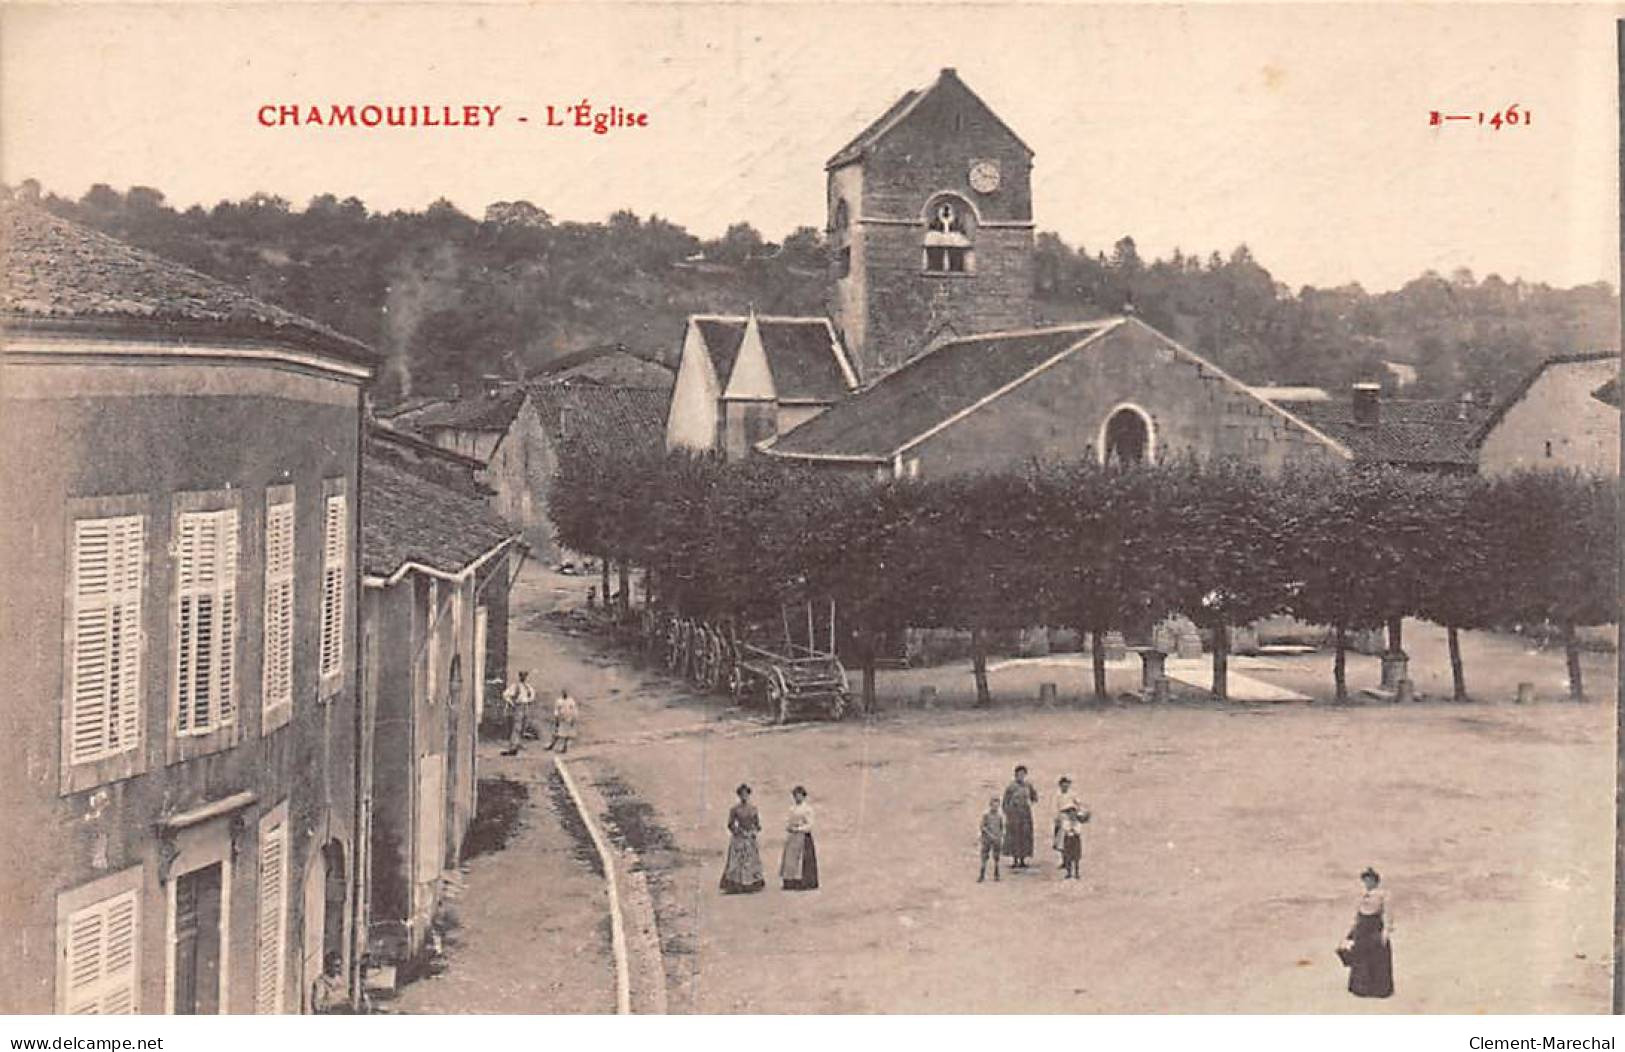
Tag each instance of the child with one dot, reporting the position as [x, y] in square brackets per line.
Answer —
[992, 838]
[1072, 820]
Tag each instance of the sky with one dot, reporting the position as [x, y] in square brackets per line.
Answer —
[1303, 131]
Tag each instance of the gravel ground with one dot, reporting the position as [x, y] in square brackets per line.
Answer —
[1219, 871]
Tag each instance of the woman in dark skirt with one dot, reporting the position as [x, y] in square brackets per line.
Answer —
[743, 871]
[799, 868]
[1370, 956]
[1019, 798]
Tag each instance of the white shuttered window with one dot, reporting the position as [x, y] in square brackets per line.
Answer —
[278, 685]
[100, 943]
[273, 915]
[334, 532]
[104, 663]
[206, 629]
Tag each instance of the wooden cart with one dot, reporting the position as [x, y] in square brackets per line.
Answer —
[793, 674]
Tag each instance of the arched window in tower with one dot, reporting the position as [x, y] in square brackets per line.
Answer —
[1128, 437]
[840, 246]
[839, 218]
[948, 246]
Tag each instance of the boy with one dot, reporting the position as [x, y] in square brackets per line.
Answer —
[992, 838]
[1072, 820]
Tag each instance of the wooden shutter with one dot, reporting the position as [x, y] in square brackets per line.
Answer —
[104, 666]
[333, 576]
[101, 942]
[279, 540]
[206, 575]
[273, 911]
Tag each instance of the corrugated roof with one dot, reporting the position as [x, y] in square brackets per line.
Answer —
[801, 354]
[602, 417]
[876, 422]
[486, 411]
[60, 272]
[407, 518]
[1408, 431]
[1529, 381]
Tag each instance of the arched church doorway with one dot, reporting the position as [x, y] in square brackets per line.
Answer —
[1128, 437]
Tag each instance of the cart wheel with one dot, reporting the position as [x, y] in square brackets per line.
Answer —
[778, 702]
[736, 683]
[841, 706]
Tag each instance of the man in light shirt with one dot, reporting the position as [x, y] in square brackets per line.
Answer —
[520, 696]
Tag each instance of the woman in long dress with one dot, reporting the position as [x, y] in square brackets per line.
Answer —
[743, 871]
[1019, 798]
[1370, 955]
[799, 869]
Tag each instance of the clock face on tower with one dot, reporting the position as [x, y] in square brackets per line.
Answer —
[984, 176]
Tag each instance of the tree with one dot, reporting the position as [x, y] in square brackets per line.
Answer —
[517, 213]
[1556, 543]
[1460, 586]
[1229, 554]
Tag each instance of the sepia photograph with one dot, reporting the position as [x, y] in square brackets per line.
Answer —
[767, 509]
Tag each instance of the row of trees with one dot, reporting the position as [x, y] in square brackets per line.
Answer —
[452, 296]
[1100, 548]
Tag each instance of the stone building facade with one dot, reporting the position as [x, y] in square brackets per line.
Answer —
[1564, 415]
[930, 228]
[178, 772]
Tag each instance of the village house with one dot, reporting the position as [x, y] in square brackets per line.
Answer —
[518, 431]
[436, 565]
[1420, 434]
[179, 771]
[744, 380]
[1565, 414]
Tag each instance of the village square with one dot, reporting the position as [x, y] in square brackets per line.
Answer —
[929, 618]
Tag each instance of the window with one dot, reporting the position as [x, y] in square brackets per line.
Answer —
[334, 533]
[947, 239]
[277, 697]
[206, 627]
[273, 912]
[104, 644]
[99, 947]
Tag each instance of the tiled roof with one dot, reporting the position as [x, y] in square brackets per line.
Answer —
[61, 272]
[609, 364]
[407, 518]
[801, 354]
[899, 111]
[444, 466]
[602, 416]
[1413, 432]
[1529, 381]
[877, 422]
[486, 411]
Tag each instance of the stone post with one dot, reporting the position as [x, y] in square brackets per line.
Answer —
[1395, 667]
[1526, 693]
[1153, 663]
[1046, 695]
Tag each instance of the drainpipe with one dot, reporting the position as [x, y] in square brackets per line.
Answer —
[360, 827]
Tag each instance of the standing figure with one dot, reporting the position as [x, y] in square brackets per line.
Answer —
[521, 697]
[564, 720]
[1072, 817]
[1064, 798]
[329, 994]
[742, 873]
[1368, 953]
[992, 836]
[799, 869]
[1019, 798]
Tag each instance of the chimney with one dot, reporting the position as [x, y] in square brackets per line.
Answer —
[1464, 405]
[1366, 401]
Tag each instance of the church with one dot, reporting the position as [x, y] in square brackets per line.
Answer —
[930, 361]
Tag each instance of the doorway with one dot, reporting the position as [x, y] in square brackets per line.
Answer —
[1128, 437]
[197, 940]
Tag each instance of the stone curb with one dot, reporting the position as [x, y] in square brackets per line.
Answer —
[617, 928]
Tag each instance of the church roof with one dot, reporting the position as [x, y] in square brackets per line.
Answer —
[807, 362]
[60, 273]
[930, 392]
[900, 110]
